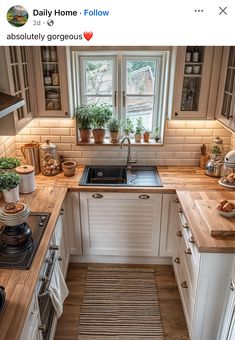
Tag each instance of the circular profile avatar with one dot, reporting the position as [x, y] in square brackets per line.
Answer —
[17, 16]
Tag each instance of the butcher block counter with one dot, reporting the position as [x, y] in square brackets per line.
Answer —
[20, 284]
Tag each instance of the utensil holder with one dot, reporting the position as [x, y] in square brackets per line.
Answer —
[203, 161]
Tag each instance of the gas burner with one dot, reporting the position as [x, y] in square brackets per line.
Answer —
[18, 244]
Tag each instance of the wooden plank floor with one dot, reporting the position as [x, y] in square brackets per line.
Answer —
[174, 325]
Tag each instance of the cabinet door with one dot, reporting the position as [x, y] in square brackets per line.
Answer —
[194, 93]
[52, 83]
[169, 218]
[226, 95]
[16, 70]
[30, 330]
[121, 224]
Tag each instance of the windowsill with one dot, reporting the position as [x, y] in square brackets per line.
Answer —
[133, 142]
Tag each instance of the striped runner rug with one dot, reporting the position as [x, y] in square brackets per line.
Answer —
[120, 303]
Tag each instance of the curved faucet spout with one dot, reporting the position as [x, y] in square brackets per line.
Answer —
[129, 161]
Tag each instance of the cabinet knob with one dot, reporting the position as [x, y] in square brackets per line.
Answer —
[177, 260]
[66, 113]
[185, 225]
[179, 210]
[232, 286]
[144, 197]
[176, 113]
[184, 284]
[53, 247]
[176, 200]
[191, 240]
[97, 196]
[179, 233]
[62, 211]
[188, 251]
[42, 327]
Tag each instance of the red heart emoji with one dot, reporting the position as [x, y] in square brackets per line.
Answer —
[88, 35]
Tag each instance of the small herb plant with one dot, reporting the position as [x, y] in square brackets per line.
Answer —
[156, 134]
[9, 180]
[216, 149]
[114, 125]
[139, 126]
[128, 126]
[9, 162]
[83, 116]
[101, 115]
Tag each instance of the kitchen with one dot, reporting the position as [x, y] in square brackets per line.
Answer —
[176, 155]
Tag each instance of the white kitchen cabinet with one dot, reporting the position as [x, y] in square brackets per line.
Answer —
[225, 111]
[196, 83]
[169, 216]
[202, 280]
[73, 225]
[124, 224]
[16, 69]
[31, 330]
[51, 77]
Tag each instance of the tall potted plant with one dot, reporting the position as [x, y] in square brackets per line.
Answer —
[83, 116]
[139, 129]
[9, 184]
[114, 127]
[101, 115]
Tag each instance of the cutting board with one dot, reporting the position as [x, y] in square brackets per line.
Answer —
[218, 225]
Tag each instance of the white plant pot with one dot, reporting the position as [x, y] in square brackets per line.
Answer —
[11, 195]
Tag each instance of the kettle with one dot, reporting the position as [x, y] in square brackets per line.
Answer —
[30, 152]
[213, 167]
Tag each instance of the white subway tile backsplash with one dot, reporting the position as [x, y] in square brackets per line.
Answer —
[72, 154]
[212, 124]
[172, 147]
[25, 131]
[101, 161]
[190, 162]
[60, 131]
[170, 132]
[40, 131]
[52, 139]
[164, 155]
[193, 140]
[30, 138]
[182, 155]
[91, 154]
[195, 124]
[184, 132]
[176, 124]
[169, 162]
[174, 140]
[67, 123]
[49, 123]
[104, 148]
[9, 142]
[221, 133]
[203, 132]
[68, 139]
[146, 155]
[64, 147]
[109, 154]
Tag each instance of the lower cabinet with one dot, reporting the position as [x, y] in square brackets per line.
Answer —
[31, 328]
[124, 224]
[202, 280]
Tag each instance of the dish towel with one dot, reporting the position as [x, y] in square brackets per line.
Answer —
[58, 289]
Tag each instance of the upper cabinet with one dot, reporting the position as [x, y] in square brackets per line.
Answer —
[225, 110]
[51, 77]
[196, 82]
[16, 68]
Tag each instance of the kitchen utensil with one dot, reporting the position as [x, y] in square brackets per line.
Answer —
[27, 184]
[50, 163]
[2, 298]
[228, 171]
[30, 152]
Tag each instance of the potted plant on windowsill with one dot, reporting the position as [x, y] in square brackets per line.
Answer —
[156, 134]
[83, 116]
[9, 185]
[146, 135]
[8, 163]
[139, 129]
[114, 127]
[101, 115]
[128, 126]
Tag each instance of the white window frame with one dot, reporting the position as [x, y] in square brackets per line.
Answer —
[161, 94]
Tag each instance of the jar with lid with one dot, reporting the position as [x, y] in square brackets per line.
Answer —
[216, 148]
[49, 158]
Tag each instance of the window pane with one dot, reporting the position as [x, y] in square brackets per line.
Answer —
[140, 76]
[140, 107]
[99, 100]
[98, 76]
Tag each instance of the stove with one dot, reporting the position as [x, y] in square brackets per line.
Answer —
[22, 258]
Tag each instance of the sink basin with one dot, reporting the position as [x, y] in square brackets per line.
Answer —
[119, 176]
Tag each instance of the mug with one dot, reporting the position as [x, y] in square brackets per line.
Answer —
[188, 69]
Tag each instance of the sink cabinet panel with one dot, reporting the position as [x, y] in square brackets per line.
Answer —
[120, 224]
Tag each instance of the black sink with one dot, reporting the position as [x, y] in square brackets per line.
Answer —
[142, 176]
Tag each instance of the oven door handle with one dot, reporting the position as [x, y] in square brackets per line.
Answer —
[45, 285]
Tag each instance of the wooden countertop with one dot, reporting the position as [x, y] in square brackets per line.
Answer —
[49, 195]
[20, 284]
[201, 233]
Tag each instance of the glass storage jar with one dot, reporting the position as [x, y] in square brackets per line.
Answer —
[216, 148]
[50, 162]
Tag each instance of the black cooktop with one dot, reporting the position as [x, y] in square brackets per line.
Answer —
[37, 222]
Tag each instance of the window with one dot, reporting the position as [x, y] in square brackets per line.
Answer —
[133, 83]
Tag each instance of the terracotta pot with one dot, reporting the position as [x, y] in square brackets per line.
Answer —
[69, 168]
[146, 136]
[138, 137]
[114, 136]
[99, 135]
[11, 195]
[85, 135]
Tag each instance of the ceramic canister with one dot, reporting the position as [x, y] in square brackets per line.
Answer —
[27, 184]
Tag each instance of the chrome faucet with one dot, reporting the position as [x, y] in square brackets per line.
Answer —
[129, 160]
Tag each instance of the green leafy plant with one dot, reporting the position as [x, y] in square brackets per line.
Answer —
[156, 134]
[114, 125]
[83, 116]
[9, 180]
[215, 149]
[9, 162]
[101, 115]
[128, 126]
[139, 125]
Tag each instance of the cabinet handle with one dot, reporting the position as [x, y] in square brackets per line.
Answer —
[188, 251]
[179, 233]
[115, 98]
[191, 240]
[59, 258]
[176, 200]
[97, 196]
[124, 98]
[232, 286]
[53, 247]
[177, 260]
[184, 284]
[144, 197]
[42, 327]
[62, 211]
[176, 113]
[185, 225]
[179, 210]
